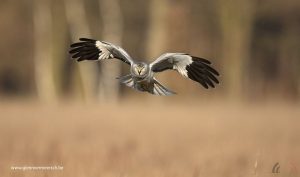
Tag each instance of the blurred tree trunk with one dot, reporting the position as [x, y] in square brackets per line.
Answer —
[60, 40]
[112, 31]
[290, 69]
[156, 38]
[178, 29]
[44, 76]
[235, 21]
[168, 27]
[79, 27]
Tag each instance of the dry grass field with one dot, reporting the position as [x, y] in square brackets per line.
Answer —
[147, 140]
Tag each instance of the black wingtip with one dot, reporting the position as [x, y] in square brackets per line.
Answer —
[201, 60]
[85, 49]
[201, 71]
[87, 39]
[206, 64]
[80, 59]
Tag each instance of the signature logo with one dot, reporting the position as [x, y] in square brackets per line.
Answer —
[276, 168]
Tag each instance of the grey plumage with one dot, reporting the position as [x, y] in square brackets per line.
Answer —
[141, 75]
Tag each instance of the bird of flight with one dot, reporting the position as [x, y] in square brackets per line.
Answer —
[141, 75]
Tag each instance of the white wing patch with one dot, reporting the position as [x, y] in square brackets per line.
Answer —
[162, 57]
[181, 70]
[181, 61]
[104, 54]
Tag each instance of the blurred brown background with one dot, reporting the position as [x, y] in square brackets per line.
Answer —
[56, 111]
[254, 45]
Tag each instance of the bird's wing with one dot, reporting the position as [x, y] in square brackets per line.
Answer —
[90, 49]
[194, 68]
[159, 89]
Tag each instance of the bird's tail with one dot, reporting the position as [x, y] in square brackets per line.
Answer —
[159, 89]
[155, 87]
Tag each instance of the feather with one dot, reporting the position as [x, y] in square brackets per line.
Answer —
[91, 49]
[192, 75]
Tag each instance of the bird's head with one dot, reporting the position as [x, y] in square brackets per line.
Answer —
[140, 69]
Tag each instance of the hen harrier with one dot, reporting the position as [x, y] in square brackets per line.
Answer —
[141, 75]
